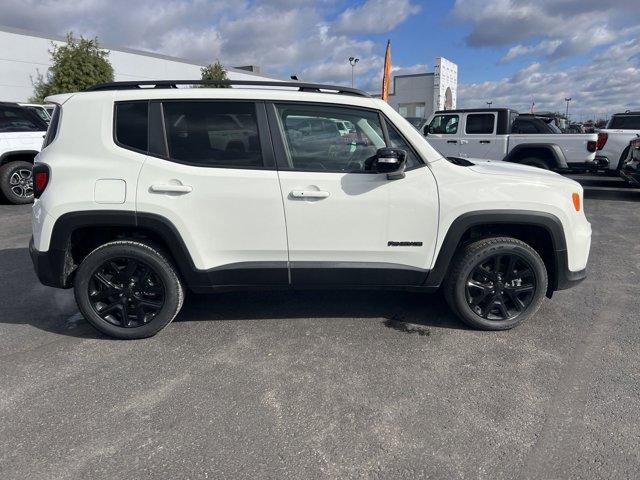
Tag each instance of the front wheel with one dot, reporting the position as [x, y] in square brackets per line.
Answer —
[496, 283]
[128, 289]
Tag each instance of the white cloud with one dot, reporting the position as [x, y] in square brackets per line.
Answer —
[283, 36]
[553, 28]
[607, 83]
[375, 16]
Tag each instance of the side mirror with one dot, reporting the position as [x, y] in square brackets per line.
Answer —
[391, 161]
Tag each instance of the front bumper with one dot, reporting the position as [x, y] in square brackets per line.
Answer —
[49, 266]
[566, 278]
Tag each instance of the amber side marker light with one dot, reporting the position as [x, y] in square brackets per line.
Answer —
[576, 201]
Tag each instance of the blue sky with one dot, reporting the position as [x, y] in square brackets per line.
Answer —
[507, 51]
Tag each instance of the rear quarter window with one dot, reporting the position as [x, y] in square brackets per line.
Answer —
[132, 125]
[52, 131]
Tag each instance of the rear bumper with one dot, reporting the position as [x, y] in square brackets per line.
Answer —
[49, 266]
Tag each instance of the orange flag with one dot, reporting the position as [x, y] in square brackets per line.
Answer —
[386, 74]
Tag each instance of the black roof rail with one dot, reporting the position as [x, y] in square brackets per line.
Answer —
[301, 86]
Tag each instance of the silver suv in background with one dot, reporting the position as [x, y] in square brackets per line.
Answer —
[614, 141]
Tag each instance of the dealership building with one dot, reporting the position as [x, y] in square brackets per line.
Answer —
[421, 94]
[24, 54]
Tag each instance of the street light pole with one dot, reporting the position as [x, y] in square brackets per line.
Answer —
[489, 103]
[566, 113]
[352, 62]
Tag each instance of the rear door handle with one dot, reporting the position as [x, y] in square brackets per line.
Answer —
[452, 141]
[309, 194]
[485, 141]
[168, 188]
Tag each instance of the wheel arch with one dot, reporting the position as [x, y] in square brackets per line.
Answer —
[18, 155]
[543, 231]
[545, 151]
[76, 234]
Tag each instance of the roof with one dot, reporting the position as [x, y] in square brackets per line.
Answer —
[173, 84]
[473, 110]
[58, 38]
[256, 93]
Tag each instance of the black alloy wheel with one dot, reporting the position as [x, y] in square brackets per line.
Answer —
[126, 292]
[501, 287]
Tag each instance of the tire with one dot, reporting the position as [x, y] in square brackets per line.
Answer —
[106, 286]
[470, 292]
[15, 183]
[536, 162]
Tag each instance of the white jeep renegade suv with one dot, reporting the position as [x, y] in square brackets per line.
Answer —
[141, 192]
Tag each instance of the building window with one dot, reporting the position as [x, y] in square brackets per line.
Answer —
[411, 109]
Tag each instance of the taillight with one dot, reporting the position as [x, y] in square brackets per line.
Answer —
[41, 176]
[602, 139]
[591, 145]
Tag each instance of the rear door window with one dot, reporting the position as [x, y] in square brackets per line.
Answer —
[214, 133]
[480, 123]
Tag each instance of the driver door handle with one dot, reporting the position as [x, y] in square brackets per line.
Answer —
[452, 141]
[309, 194]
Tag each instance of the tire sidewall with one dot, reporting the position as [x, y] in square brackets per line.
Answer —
[143, 253]
[6, 171]
[459, 294]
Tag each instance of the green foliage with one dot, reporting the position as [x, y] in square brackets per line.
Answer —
[77, 65]
[212, 73]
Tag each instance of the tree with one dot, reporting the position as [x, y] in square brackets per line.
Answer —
[212, 73]
[77, 65]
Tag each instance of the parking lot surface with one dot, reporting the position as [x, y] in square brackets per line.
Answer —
[329, 384]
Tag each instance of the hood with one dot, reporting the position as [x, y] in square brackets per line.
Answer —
[512, 169]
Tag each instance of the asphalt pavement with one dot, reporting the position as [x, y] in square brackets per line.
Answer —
[331, 384]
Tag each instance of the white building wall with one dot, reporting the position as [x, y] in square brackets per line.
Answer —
[429, 89]
[445, 84]
[24, 54]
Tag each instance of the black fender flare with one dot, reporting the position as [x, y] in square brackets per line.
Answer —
[555, 151]
[464, 222]
[9, 154]
[60, 263]
[70, 222]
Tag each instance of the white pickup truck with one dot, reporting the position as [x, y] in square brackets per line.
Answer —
[504, 134]
[613, 141]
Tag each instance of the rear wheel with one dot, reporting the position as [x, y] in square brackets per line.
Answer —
[128, 289]
[16, 182]
[496, 283]
[536, 162]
